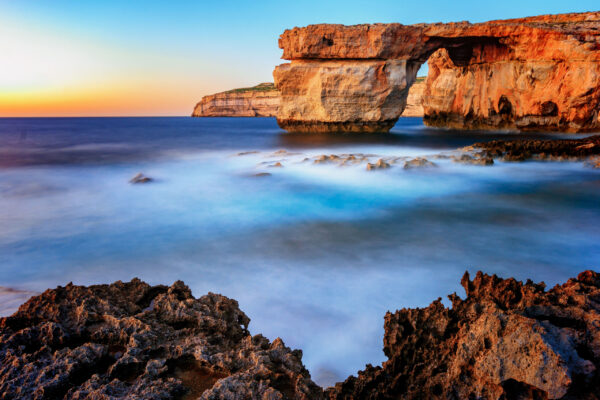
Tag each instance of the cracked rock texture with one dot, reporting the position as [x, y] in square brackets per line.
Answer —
[506, 340]
[536, 73]
[136, 341]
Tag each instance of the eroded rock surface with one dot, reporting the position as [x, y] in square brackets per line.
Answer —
[537, 73]
[136, 341]
[551, 150]
[506, 340]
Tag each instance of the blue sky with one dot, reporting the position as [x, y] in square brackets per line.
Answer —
[157, 57]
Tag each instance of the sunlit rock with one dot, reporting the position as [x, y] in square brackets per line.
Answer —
[523, 74]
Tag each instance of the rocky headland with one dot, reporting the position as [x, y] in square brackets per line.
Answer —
[258, 101]
[505, 340]
[263, 101]
[536, 73]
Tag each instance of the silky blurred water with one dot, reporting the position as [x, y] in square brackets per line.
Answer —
[315, 254]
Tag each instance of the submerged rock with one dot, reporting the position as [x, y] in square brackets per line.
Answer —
[593, 162]
[419, 162]
[506, 340]
[475, 159]
[140, 178]
[136, 341]
[245, 153]
[380, 164]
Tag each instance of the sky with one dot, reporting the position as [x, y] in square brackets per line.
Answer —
[129, 58]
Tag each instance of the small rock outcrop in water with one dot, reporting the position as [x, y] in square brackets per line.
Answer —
[506, 340]
[263, 101]
[419, 162]
[258, 101]
[136, 341]
[536, 73]
[552, 150]
[140, 178]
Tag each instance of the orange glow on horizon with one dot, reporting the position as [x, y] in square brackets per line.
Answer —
[46, 74]
[137, 98]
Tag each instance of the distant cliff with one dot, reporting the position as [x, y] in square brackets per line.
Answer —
[259, 101]
[414, 101]
[263, 101]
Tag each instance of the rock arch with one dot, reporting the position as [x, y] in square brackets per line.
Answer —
[356, 78]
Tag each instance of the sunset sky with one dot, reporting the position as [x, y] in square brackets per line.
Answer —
[112, 57]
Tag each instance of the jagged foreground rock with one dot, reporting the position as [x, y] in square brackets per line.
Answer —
[537, 73]
[506, 340]
[135, 341]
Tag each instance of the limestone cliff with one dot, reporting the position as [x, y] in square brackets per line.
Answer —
[263, 101]
[530, 73]
[258, 101]
[414, 101]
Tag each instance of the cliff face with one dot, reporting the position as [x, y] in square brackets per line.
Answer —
[259, 101]
[265, 102]
[414, 101]
[530, 73]
[348, 96]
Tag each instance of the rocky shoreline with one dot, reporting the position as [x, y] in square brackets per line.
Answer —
[506, 339]
[551, 150]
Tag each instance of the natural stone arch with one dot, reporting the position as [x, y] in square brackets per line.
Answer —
[356, 78]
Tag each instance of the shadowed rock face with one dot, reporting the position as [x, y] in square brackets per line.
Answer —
[135, 341]
[506, 340]
[524, 74]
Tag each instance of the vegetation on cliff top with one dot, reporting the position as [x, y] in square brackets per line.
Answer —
[268, 86]
[261, 87]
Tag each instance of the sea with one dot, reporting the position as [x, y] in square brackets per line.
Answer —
[314, 252]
